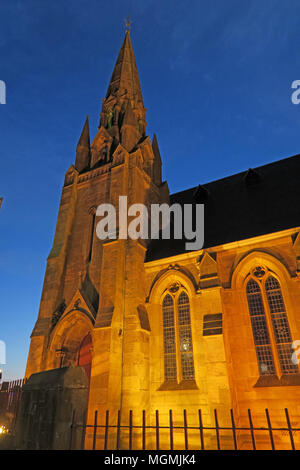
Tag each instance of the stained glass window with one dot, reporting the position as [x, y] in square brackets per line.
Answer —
[169, 339]
[260, 329]
[280, 325]
[185, 337]
[265, 299]
[178, 346]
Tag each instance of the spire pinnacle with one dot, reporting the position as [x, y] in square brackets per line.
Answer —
[83, 148]
[125, 80]
[84, 139]
[156, 148]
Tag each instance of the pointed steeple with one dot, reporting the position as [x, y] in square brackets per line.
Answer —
[123, 115]
[157, 161]
[83, 148]
[155, 148]
[125, 78]
[124, 87]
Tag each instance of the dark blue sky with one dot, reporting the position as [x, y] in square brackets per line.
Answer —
[216, 79]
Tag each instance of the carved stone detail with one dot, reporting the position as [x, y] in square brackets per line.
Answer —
[259, 271]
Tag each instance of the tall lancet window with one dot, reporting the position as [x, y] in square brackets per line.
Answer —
[169, 339]
[270, 327]
[185, 337]
[282, 334]
[260, 329]
[178, 346]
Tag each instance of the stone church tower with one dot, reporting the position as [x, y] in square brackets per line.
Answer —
[92, 307]
[157, 327]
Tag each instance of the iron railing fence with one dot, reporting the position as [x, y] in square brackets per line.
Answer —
[10, 397]
[108, 431]
[239, 434]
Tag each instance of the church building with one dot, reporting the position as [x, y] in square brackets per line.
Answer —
[158, 327]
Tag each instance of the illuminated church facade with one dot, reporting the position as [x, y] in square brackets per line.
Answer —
[157, 327]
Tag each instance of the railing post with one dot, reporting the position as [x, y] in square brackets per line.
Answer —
[106, 429]
[186, 442]
[17, 404]
[83, 430]
[130, 430]
[290, 428]
[251, 430]
[95, 429]
[217, 430]
[270, 429]
[201, 429]
[171, 430]
[157, 429]
[118, 429]
[233, 429]
[71, 430]
[144, 431]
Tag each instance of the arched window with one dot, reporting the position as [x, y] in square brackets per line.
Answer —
[260, 329]
[178, 346]
[270, 327]
[280, 324]
[169, 339]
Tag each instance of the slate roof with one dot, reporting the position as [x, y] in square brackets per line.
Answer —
[241, 206]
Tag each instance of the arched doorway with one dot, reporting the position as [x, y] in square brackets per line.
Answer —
[85, 354]
[71, 342]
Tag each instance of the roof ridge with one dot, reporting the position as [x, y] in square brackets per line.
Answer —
[237, 174]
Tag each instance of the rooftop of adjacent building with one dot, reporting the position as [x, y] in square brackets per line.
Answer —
[245, 205]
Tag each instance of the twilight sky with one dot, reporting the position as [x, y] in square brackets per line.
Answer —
[216, 78]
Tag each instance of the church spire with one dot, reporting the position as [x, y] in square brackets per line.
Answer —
[125, 78]
[124, 87]
[123, 115]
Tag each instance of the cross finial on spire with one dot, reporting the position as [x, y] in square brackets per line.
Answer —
[128, 23]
